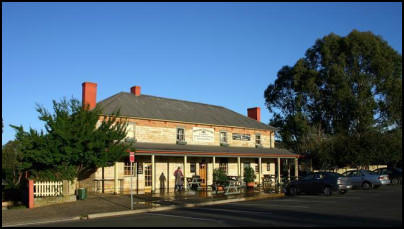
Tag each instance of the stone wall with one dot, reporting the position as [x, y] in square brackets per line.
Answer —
[152, 131]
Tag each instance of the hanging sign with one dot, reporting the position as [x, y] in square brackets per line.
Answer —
[139, 168]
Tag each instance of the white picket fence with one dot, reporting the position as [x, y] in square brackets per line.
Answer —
[48, 188]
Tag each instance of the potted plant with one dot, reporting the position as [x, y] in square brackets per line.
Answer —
[219, 178]
[249, 177]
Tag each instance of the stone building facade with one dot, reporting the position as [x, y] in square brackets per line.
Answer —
[196, 137]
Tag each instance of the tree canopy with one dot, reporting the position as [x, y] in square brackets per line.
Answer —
[75, 141]
[341, 104]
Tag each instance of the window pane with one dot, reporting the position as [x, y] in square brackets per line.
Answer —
[258, 139]
[180, 134]
[223, 137]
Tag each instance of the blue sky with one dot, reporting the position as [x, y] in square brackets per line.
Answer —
[217, 53]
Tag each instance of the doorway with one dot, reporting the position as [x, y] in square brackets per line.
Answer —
[147, 177]
[203, 174]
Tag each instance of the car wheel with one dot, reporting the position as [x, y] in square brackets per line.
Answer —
[366, 185]
[395, 181]
[342, 191]
[327, 191]
[292, 191]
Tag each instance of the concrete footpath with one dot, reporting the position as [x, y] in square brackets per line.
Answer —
[105, 205]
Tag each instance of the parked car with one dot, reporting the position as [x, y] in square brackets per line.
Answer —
[319, 182]
[366, 179]
[395, 174]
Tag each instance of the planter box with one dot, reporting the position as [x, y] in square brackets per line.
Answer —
[224, 144]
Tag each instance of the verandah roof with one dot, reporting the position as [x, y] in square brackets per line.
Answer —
[210, 151]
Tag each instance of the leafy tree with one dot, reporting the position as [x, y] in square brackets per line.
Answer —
[72, 144]
[12, 165]
[338, 102]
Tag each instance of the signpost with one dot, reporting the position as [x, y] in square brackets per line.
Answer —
[131, 159]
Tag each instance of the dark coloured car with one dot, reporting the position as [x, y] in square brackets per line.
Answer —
[395, 174]
[319, 182]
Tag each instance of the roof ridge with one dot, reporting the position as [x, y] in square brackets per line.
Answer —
[178, 100]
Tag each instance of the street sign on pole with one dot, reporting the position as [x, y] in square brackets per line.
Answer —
[131, 159]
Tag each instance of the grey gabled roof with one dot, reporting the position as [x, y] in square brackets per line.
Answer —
[151, 107]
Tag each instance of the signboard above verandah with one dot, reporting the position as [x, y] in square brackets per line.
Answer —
[242, 137]
[203, 134]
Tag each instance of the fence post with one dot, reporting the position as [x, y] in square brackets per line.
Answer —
[30, 194]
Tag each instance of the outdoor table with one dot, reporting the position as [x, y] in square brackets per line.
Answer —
[194, 180]
[234, 185]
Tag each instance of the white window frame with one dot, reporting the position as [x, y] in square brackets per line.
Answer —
[179, 134]
[258, 139]
[225, 137]
[126, 169]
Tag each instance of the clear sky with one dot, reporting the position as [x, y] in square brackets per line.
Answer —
[217, 53]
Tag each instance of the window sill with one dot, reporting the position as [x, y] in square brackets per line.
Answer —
[181, 142]
[130, 140]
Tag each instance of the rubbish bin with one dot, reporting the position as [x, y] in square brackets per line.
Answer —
[82, 194]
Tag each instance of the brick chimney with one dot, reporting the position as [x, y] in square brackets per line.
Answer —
[89, 95]
[254, 113]
[135, 90]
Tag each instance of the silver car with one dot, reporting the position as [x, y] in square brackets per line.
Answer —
[366, 179]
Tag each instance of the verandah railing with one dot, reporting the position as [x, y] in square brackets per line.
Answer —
[48, 188]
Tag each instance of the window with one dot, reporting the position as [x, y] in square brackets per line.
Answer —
[223, 165]
[180, 135]
[257, 168]
[223, 137]
[308, 177]
[126, 169]
[268, 166]
[193, 167]
[258, 139]
[246, 165]
[320, 176]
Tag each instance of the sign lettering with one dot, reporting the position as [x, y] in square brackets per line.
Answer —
[203, 134]
[241, 137]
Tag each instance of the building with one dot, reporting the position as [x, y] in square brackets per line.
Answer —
[169, 133]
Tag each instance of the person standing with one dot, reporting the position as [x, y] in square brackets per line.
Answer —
[178, 179]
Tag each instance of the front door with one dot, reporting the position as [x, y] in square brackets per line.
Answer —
[203, 174]
[147, 177]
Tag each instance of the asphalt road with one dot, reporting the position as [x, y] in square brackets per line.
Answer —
[381, 207]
